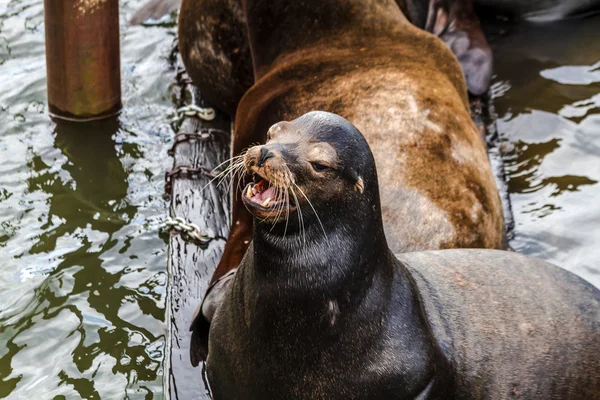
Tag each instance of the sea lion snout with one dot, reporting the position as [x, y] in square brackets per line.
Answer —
[264, 155]
[268, 162]
[268, 195]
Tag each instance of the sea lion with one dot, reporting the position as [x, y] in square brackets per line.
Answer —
[399, 85]
[214, 46]
[320, 307]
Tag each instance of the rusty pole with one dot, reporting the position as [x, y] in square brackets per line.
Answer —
[83, 58]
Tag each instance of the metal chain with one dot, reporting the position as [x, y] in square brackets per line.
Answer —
[192, 110]
[202, 134]
[185, 171]
[187, 230]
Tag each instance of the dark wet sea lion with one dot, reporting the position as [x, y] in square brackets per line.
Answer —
[213, 43]
[321, 308]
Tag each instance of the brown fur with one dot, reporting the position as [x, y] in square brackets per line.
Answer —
[213, 43]
[404, 90]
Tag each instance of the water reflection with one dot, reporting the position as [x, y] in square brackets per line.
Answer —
[81, 304]
[82, 287]
[98, 184]
[547, 96]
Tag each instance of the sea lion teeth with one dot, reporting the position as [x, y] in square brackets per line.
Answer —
[249, 192]
[266, 202]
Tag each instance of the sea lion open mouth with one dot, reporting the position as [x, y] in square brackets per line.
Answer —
[262, 197]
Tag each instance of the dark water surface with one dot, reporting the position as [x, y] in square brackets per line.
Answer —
[82, 267]
[547, 96]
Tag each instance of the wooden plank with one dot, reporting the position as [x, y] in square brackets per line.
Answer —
[190, 266]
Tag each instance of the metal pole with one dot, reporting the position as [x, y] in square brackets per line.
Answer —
[83, 58]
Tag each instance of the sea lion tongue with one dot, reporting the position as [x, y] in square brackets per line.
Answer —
[261, 197]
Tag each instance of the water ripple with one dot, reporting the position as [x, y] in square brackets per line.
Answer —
[82, 288]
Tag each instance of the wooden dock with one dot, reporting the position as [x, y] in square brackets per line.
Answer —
[199, 147]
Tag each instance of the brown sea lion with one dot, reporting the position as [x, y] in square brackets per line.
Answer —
[214, 45]
[399, 85]
[320, 307]
[402, 87]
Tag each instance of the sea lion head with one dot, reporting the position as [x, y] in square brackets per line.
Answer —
[318, 165]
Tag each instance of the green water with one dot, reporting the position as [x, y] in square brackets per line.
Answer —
[547, 95]
[83, 269]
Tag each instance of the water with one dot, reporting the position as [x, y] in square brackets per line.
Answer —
[83, 276]
[547, 95]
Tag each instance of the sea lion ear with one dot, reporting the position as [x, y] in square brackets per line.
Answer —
[359, 186]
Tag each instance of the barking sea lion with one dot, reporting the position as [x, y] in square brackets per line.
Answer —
[320, 308]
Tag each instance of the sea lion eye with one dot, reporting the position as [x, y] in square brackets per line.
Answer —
[319, 167]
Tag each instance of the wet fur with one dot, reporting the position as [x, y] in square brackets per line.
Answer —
[406, 92]
[338, 316]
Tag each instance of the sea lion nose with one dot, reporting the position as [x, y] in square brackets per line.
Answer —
[264, 155]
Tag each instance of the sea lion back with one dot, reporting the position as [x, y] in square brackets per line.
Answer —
[510, 325]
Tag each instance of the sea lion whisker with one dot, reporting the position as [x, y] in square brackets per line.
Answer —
[287, 217]
[300, 218]
[223, 174]
[230, 171]
[311, 206]
[278, 194]
[235, 175]
[234, 162]
[238, 177]
[235, 168]
[279, 205]
[229, 160]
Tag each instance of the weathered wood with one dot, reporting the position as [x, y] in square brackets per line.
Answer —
[191, 266]
[83, 58]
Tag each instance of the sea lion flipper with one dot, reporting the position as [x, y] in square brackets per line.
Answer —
[456, 23]
[200, 325]
[199, 341]
[475, 59]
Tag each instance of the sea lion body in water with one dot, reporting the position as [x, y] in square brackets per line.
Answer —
[321, 309]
